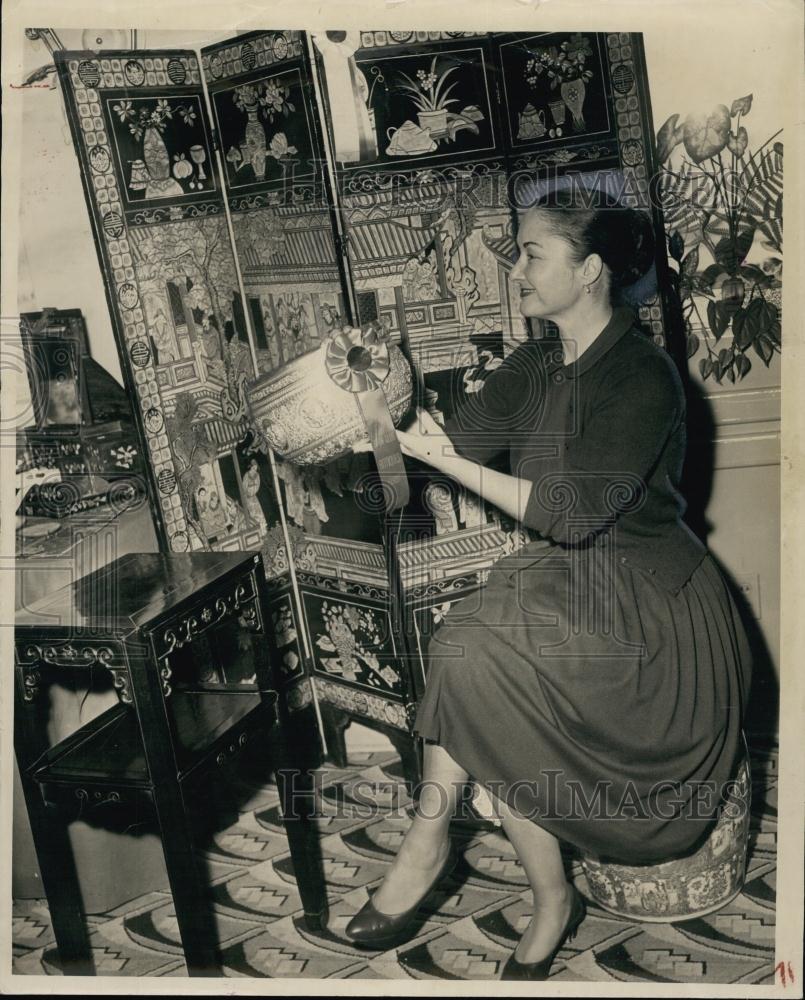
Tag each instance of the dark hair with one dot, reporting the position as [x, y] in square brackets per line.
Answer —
[593, 222]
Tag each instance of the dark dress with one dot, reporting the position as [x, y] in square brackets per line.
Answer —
[598, 684]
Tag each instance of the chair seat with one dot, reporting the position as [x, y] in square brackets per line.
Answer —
[682, 888]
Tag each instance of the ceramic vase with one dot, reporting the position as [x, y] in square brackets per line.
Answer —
[373, 130]
[573, 93]
[434, 121]
[155, 155]
[254, 145]
[558, 112]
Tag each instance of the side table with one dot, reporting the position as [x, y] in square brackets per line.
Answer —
[183, 639]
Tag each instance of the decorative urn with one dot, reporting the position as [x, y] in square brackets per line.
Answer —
[308, 409]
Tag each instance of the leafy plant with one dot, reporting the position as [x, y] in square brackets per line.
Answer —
[716, 202]
[269, 96]
[274, 100]
[562, 64]
[245, 96]
[428, 91]
[156, 117]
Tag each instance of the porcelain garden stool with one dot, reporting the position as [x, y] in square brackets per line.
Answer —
[682, 888]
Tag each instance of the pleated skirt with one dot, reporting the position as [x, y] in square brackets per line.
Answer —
[594, 700]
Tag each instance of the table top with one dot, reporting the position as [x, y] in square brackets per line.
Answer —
[128, 593]
[58, 538]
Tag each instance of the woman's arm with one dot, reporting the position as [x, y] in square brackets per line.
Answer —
[601, 474]
[604, 471]
[480, 428]
[427, 441]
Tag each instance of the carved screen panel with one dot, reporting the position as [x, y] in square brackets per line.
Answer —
[429, 241]
[578, 104]
[156, 200]
[266, 115]
[555, 96]
[155, 196]
[268, 118]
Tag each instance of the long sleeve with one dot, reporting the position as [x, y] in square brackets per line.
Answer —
[481, 428]
[604, 470]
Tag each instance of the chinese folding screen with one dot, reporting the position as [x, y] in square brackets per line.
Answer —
[248, 207]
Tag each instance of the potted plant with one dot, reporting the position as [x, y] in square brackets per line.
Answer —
[269, 98]
[565, 67]
[148, 123]
[720, 200]
[429, 94]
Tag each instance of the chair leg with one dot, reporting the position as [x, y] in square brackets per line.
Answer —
[54, 853]
[190, 889]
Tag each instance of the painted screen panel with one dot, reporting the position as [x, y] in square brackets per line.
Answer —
[271, 126]
[155, 197]
[268, 116]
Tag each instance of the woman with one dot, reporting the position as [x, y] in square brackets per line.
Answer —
[600, 684]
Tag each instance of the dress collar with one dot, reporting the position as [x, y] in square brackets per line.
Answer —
[622, 319]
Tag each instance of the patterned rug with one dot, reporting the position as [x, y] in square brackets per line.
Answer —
[466, 930]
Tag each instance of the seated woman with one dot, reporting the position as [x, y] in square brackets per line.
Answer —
[598, 689]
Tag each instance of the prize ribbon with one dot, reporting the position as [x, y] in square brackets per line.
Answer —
[359, 362]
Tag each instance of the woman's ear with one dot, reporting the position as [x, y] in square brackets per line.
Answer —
[592, 269]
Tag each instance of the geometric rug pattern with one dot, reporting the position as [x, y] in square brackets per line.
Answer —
[467, 928]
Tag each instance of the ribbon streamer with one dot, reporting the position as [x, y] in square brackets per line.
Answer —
[386, 447]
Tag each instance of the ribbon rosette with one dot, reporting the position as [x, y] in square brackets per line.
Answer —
[357, 361]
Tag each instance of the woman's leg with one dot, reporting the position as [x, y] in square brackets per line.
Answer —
[541, 859]
[425, 845]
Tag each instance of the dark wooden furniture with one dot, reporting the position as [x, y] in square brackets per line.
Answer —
[183, 640]
[83, 422]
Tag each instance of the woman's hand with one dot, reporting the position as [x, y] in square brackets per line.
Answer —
[426, 440]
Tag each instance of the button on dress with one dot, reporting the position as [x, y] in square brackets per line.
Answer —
[600, 682]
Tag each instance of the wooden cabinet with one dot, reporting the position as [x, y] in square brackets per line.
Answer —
[182, 639]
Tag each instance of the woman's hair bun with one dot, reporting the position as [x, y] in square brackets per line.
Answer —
[593, 222]
[633, 250]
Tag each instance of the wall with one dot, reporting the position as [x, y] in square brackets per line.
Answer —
[734, 429]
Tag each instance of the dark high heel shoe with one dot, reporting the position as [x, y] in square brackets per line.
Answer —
[538, 972]
[370, 928]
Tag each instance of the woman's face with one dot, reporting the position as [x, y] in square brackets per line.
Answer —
[550, 279]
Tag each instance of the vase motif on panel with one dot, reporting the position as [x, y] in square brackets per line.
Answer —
[254, 144]
[573, 93]
[157, 161]
[161, 145]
